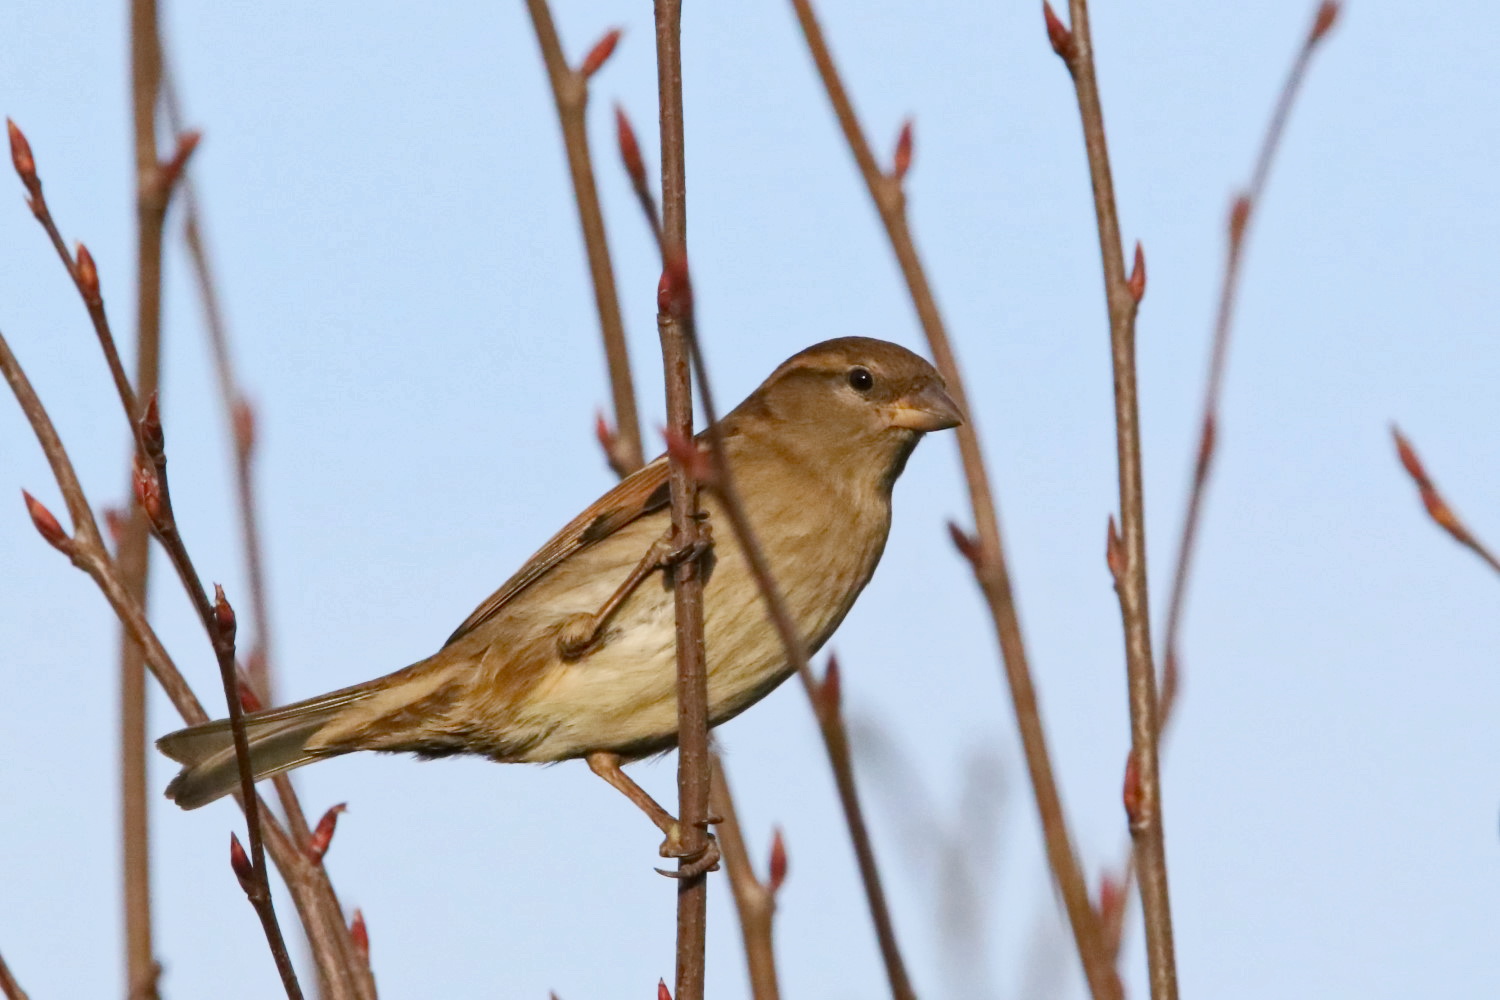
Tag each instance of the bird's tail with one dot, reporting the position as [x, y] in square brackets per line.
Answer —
[278, 740]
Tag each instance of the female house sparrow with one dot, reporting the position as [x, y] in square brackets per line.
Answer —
[575, 656]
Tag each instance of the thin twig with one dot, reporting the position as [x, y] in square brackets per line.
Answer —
[307, 881]
[1123, 295]
[985, 550]
[571, 91]
[754, 900]
[687, 575]
[1436, 505]
[1239, 216]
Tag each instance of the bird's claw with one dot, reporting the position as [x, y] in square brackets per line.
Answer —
[695, 860]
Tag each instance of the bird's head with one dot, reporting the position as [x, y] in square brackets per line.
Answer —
[854, 398]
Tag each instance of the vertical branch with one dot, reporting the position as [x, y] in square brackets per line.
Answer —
[134, 553]
[753, 899]
[570, 91]
[1123, 296]
[687, 581]
[985, 550]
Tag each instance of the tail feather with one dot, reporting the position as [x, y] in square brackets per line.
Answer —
[278, 739]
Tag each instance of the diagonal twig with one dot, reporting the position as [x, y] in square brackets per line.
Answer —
[985, 550]
[570, 91]
[1436, 505]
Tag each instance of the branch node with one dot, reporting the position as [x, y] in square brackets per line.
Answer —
[360, 935]
[317, 847]
[1131, 795]
[830, 695]
[695, 460]
[224, 616]
[88, 277]
[243, 420]
[967, 544]
[1114, 552]
[662, 993]
[20, 156]
[778, 865]
[47, 525]
[1137, 280]
[901, 163]
[1239, 214]
[1059, 35]
[240, 862]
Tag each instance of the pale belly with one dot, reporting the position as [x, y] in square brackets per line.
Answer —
[623, 696]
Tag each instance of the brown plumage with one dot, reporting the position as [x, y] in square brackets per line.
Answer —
[534, 675]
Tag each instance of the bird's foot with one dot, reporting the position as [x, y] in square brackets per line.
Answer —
[696, 860]
[693, 550]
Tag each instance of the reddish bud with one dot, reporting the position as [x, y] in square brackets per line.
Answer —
[1131, 794]
[114, 523]
[967, 544]
[1207, 442]
[1409, 459]
[1328, 13]
[242, 418]
[51, 531]
[360, 935]
[902, 160]
[830, 692]
[323, 835]
[1137, 280]
[1239, 214]
[88, 276]
[152, 437]
[148, 491]
[1058, 33]
[249, 700]
[600, 53]
[777, 873]
[170, 172]
[1111, 897]
[240, 862]
[604, 432]
[1114, 551]
[674, 293]
[630, 149]
[20, 153]
[694, 459]
[224, 614]
[662, 993]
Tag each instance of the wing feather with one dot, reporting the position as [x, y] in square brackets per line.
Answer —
[635, 496]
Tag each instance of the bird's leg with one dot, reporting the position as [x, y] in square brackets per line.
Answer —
[581, 631]
[698, 860]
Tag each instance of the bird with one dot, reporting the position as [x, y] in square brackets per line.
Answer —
[575, 656]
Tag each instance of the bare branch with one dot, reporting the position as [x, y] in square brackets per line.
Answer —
[1123, 295]
[570, 91]
[985, 550]
[754, 900]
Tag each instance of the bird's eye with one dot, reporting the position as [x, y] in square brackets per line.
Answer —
[860, 379]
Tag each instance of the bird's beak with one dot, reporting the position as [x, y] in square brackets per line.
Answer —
[928, 409]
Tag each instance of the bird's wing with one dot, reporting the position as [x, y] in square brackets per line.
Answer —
[635, 496]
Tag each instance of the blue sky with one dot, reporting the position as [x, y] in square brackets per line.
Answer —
[386, 197]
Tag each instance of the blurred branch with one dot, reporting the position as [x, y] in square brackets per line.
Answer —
[1123, 295]
[985, 550]
[754, 900]
[1239, 220]
[570, 90]
[9, 988]
[134, 547]
[687, 575]
[1437, 506]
